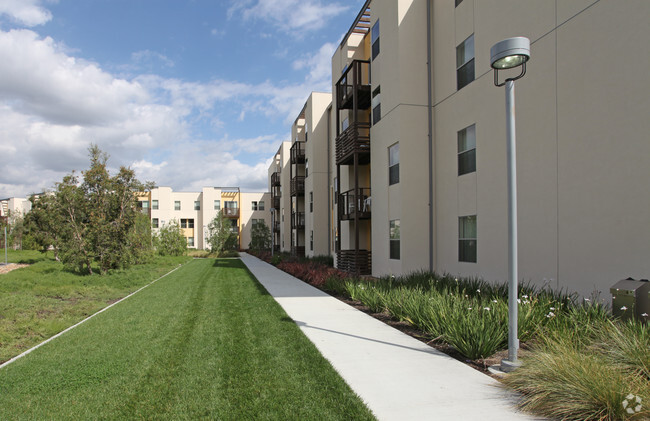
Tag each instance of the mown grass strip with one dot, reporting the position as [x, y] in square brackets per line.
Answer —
[204, 342]
[39, 301]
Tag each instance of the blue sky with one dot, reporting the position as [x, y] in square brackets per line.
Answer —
[189, 93]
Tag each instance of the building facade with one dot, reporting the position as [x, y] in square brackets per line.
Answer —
[417, 151]
[195, 210]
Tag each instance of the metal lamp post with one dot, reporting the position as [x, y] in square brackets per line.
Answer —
[509, 54]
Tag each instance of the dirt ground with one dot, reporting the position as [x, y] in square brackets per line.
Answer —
[11, 266]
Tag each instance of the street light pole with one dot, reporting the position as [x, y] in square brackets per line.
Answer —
[513, 275]
[509, 54]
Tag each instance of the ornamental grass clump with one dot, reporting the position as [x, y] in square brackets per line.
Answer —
[571, 376]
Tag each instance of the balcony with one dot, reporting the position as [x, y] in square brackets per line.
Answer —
[355, 139]
[351, 261]
[275, 179]
[350, 206]
[298, 153]
[231, 212]
[276, 202]
[298, 220]
[298, 251]
[276, 226]
[354, 83]
[298, 185]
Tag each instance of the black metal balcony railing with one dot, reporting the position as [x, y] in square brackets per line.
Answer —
[355, 82]
[276, 202]
[298, 251]
[276, 226]
[355, 262]
[275, 179]
[298, 152]
[298, 220]
[349, 204]
[356, 138]
[231, 212]
[297, 185]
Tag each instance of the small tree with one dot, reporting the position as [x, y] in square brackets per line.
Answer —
[260, 237]
[220, 236]
[170, 240]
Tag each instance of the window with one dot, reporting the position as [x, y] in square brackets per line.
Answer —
[306, 167]
[311, 201]
[336, 192]
[306, 133]
[154, 223]
[260, 205]
[311, 241]
[467, 150]
[467, 239]
[254, 205]
[197, 205]
[217, 205]
[190, 241]
[465, 62]
[394, 236]
[376, 105]
[345, 124]
[177, 205]
[375, 39]
[187, 223]
[393, 164]
[253, 222]
[458, 2]
[154, 204]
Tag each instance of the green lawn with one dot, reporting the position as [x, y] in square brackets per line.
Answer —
[206, 342]
[43, 299]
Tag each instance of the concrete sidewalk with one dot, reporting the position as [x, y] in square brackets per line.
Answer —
[397, 376]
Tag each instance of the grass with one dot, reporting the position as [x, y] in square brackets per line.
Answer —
[206, 342]
[43, 299]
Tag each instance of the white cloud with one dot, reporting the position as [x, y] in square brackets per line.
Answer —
[25, 12]
[53, 105]
[148, 57]
[288, 15]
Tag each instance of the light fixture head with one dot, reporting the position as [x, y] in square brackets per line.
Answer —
[509, 53]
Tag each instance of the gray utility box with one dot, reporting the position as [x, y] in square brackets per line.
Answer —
[631, 298]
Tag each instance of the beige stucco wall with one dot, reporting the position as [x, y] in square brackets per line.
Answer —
[400, 70]
[316, 148]
[582, 152]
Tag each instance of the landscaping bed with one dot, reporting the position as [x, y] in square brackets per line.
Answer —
[579, 363]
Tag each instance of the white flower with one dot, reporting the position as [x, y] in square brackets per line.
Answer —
[456, 279]
[644, 315]
[478, 290]
[518, 301]
[469, 308]
[525, 296]
[486, 308]
[494, 301]
[587, 299]
[552, 308]
[526, 302]
[623, 308]
[550, 314]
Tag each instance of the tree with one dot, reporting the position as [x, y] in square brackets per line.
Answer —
[260, 237]
[44, 222]
[220, 235]
[170, 240]
[93, 219]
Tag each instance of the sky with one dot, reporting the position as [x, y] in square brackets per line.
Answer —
[188, 93]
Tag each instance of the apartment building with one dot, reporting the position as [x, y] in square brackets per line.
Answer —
[280, 198]
[14, 206]
[195, 210]
[417, 142]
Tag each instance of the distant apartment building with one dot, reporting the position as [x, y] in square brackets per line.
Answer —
[279, 181]
[195, 210]
[14, 206]
[416, 143]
